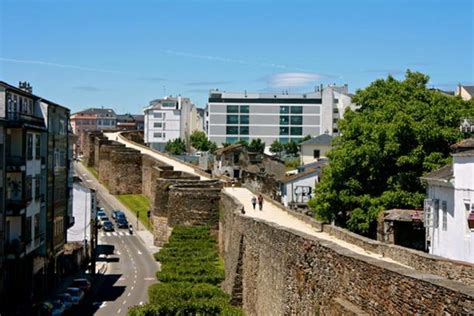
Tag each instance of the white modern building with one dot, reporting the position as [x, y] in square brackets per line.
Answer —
[83, 209]
[284, 117]
[170, 118]
[449, 208]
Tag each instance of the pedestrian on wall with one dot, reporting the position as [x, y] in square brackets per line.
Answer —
[254, 201]
[260, 201]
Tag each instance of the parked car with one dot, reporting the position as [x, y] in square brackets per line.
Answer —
[122, 222]
[77, 295]
[103, 219]
[66, 299]
[82, 284]
[121, 216]
[108, 226]
[53, 308]
[117, 213]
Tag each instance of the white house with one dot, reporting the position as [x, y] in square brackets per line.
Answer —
[449, 208]
[315, 148]
[170, 118]
[299, 188]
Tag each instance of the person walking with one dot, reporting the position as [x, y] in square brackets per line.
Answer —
[260, 201]
[254, 201]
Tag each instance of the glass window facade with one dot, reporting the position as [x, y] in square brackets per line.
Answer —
[296, 120]
[298, 131]
[232, 130]
[284, 119]
[244, 119]
[231, 140]
[232, 119]
[232, 109]
[296, 109]
[283, 130]
[284, 140]
[284, 109]
[244, 109]
[244, 130]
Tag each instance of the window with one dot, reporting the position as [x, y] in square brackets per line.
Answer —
[316, 153]
[232, 109]
[28, 230]
[296, 109]
[37, 147]
[29, 142]
[335, 111]
[37, 226]
[284, 109]
[168, 105]
[231, 140]
[158, 124]
[232, 130]
[444, 208]
[37, 186]
[336, 100]
[244, 130]
[335, 130]
[244, 119]
[284, 140]
[296, 131]
[245, 139]
[334, 120]
[296, 120]
[244, 109]
[157, 135]
[157, 115]
[232, 119]
[283, 130]
[284, 120]
[29, 188]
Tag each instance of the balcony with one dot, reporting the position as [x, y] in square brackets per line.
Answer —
[18, 119]
[15, 163]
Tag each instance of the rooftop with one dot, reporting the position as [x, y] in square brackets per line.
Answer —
[469, 89]
[306, 173]
[96, 111]
[403, 215]
[323, 139]
[444, 174]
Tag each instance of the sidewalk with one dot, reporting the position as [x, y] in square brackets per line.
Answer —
[112, 202]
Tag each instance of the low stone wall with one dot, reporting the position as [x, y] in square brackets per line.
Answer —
[277, 271]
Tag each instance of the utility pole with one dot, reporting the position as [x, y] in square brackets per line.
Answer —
[138, 216]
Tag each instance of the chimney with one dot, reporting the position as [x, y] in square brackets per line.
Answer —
[25, 86]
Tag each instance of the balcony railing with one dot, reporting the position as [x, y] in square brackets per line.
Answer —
[24, 118]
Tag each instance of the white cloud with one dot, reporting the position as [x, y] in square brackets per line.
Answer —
[293, 79]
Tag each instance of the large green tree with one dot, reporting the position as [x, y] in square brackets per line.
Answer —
[276, 148]
[401, 131]
[198, 140]
[256, 145]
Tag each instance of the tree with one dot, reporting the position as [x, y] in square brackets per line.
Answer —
[256, 146]
[212, 147]
[276, 148]
[176, 146]
[401, 131]
[292, 148]
[199, 141]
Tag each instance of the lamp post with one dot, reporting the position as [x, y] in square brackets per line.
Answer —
[138, 216]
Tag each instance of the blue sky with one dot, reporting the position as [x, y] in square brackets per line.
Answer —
[122, 54]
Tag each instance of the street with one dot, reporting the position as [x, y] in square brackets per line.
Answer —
[131, 267]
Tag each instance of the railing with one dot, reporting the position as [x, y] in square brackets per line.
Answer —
[23, 117]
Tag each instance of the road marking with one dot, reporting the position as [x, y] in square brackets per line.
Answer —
[118, 252]
[88, 180]
[124, 302]
[122, 279]
[141, 303]
[139, 252]
[149, 279]
[107, 234]
[132, 287]
[118, 312]
[128, 294]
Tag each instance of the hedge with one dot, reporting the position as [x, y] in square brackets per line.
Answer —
[190, 274]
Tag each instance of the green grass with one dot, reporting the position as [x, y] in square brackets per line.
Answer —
[91, 170]
[137, 203]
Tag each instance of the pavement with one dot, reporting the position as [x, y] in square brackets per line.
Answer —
[271, 211]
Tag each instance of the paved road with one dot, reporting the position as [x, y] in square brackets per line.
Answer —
[131, 267]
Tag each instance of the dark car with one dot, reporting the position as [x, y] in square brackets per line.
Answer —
[116, 214]
[66, 299]
[108, 226]
[122, 222]
[82, 284]
[77, 295]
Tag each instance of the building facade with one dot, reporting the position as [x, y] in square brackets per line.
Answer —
[449, 207]
[232, 117]
[36, 191]
[92, 119]
[315, 148]
[170, 118]
[465, 92]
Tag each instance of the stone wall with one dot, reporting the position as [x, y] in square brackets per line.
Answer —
[150, 173]
[126, 171]
[89, 147]
[277, 271]
[103, 162]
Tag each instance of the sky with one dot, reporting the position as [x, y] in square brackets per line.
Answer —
[122, 54]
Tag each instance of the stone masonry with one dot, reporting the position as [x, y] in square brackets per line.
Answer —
[274, 270]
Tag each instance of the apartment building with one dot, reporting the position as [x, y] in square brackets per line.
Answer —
[92, 119]
[284, 117]
[170, 118]
[36, 186]
[134, 122]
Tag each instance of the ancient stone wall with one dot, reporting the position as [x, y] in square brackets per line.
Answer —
[150, 173]
[126, 171]
[103, 162]
[278, 271]
[89, 147]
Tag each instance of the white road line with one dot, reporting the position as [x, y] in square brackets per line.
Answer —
[149, 279]
[132, 287]
[141, 303]
[139, 252]
[124, 302]
[128, 294]
[107, 234]
[119, 310]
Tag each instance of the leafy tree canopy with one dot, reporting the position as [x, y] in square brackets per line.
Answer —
[176, 146]
[401, 131]
[199, 141]
[292, 148]
[276, 147]
[256, 145]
